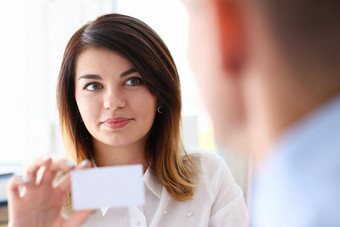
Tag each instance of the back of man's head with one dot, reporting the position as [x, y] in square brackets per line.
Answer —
[308, 31]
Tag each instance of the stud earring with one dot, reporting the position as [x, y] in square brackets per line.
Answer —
[160, 109]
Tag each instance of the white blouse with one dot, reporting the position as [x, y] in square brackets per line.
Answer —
[217, 201]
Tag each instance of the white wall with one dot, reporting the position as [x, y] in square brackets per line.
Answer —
[13, 78]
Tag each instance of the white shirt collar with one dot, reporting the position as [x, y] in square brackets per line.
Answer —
[104, 210]
[153, 183]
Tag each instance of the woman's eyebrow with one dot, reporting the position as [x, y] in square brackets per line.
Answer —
[96, 77]
[128, 72]
[90, 76]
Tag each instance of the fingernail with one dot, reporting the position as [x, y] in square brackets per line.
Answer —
[70, 164]
[84, 162]
[25, 180]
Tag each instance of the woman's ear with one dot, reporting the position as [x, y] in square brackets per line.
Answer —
[230, 29]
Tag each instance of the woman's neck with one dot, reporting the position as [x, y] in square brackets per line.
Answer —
[105, 155]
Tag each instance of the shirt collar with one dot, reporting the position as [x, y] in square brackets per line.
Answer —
[315, 127]
[152, 182]
[297, 144]
[104, 210]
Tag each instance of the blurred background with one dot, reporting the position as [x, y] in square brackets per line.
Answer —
[33, 36]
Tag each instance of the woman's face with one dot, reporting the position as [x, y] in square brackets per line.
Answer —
[116, 106]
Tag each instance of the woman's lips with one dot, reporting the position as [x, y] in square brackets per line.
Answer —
[116, 123]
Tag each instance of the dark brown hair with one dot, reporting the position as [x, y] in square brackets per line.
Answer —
[137, 42]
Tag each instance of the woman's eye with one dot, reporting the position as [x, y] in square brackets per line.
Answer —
[92, 86]
[134, 81]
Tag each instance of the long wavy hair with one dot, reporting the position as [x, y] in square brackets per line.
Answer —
[141, 45]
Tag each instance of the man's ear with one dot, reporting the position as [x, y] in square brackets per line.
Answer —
[230, 29]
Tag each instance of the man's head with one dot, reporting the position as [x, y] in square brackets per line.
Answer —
[263, 64]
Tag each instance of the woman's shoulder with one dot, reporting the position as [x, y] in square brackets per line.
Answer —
[205, 158]
[214, 172]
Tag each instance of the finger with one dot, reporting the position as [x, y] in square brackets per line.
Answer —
[32, 169]
[55, 167]
[78, 218]
[65, 183]
[13, 187]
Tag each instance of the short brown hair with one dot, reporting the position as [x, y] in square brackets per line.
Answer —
[307, 30]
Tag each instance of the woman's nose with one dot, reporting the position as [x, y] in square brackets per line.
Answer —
[114, 99]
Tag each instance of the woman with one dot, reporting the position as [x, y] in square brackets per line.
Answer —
[119, 103]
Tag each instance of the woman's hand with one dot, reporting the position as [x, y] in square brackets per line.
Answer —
[36, 201]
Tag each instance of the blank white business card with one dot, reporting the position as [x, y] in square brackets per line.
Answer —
[116, 186]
